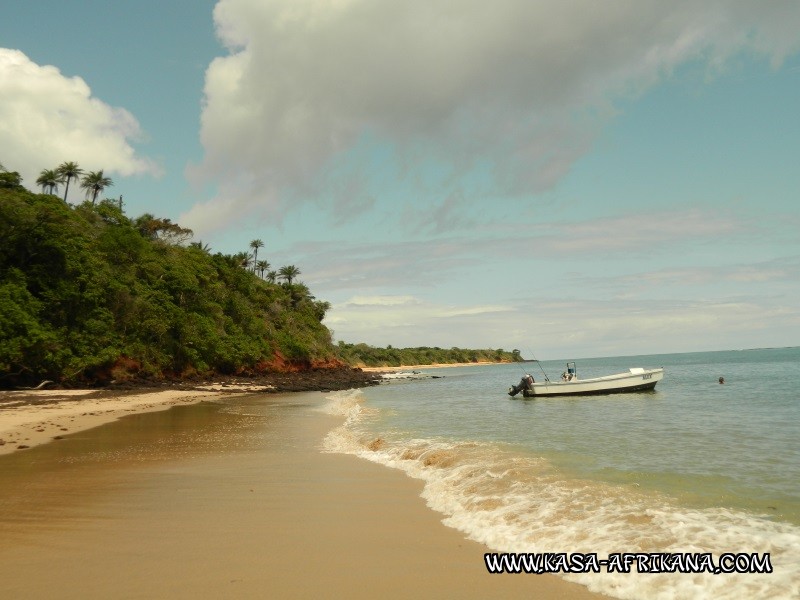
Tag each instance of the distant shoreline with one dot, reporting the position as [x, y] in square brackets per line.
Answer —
[432, 366]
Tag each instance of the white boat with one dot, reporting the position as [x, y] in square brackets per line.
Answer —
[634, 380]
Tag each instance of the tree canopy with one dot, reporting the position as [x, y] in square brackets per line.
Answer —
[371, 356]
[68, 171]
[95, 182]
[88, 295]
[49, 180]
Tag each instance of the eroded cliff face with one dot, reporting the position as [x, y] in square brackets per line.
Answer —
[279, 364]
[126, 369]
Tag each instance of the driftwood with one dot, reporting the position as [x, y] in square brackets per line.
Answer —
[38, 387]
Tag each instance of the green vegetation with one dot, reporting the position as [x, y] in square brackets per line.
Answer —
[88, 295]
[95, 182]
[370, 356]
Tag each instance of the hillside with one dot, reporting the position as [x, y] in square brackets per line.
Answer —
[88, 295]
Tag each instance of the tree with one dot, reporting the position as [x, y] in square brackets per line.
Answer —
[261, 266]
[163, 230]
[255, 245]
[89, 295]
[243, 259]
[10, 179]
[95, 182]
[68, 171]
[288, 273]
[201, 246]
[49, 180]
[272, 276]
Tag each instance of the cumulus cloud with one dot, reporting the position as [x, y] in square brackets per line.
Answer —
[522, 85]
[47, 118]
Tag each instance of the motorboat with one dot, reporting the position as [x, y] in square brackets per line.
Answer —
[635, 379]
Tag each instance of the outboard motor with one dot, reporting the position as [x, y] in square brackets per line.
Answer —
[525, 383]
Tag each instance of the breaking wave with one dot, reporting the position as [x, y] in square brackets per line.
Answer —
[513, 502]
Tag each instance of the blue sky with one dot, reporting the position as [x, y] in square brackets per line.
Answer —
[570, 179]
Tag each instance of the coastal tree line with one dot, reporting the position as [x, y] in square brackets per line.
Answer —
[90, 295]
[371, 356]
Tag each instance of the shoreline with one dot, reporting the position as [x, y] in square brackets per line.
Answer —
[299, 380]
[29, 418]
[151, 517]
[32, 418]
[431, 366]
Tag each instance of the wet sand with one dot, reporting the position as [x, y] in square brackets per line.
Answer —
[30, 418]
[231, 500]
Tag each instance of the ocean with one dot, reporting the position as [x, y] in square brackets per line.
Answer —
[692, 467]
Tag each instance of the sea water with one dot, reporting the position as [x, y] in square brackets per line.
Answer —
[693, 466]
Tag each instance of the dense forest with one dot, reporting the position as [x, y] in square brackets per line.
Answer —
[91, 296]
[88, 295]
[370, 356]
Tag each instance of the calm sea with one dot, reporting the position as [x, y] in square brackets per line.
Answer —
[693, 466]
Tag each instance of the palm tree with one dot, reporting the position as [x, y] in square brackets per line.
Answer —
[255, 245]
[243, 259]
[272, 276]
[201, 246]
[261, 266]
[49, 180]
[288, 273]
[68, 171]
[95, 182]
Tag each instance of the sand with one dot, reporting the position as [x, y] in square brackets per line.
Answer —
[237, 502]
[30, 418]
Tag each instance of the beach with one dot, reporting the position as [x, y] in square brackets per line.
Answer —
[690, 467]
[216, 494]
[31, 418]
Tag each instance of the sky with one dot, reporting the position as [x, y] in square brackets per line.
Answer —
[570, 179]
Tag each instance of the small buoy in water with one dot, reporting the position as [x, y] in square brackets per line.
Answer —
[722, 380]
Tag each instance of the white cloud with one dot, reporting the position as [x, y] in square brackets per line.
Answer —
[47, 118]
[641, 232]
[397, 265]
[522, 84]
[551, 328]
[474, 310]
[397, 320]
[609, 305]
[382, 301]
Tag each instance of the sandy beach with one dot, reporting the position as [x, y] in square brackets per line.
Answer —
[30, 418]
[226, 500]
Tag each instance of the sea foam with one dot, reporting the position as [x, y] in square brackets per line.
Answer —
[513, 502]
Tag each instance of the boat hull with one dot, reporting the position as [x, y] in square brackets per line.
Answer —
[637, 380]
